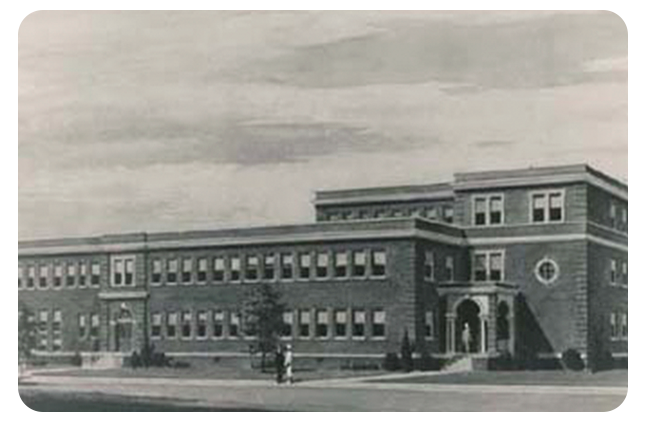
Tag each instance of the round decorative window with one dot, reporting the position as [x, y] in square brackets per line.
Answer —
[547, 271]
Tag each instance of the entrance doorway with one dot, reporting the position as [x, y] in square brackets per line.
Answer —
[123, 331]
[468, 327]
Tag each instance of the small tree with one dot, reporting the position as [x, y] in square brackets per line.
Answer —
[26, 333]
[263, 311]
[406, 353]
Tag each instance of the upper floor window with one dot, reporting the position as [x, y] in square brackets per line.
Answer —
[340, 264]
[625, 273]
[428, 266]
[613, 271]
[322, 265]
[155, 325]
[488, 266]
[431, 213]
[287, 266]
[429, 325]
[219, 268]
[187, 270]
[450, 268]
[235, 268]
[322, 323]
[44, 275]
[612, 213]
[489, 210]
[122, 271]
[172, 267]
[70, 279]
[623, 217]
[269, 267]
[252, 268]
[20, 282]
[96, 274]
[305, 266]
[82, 274]
[547, 206]
[58, 275]
[379, 261]
[613, 326]
[202, 269]
[378, 324]
[156, 271]
[360, 263]
[31, 277]
[448, 214]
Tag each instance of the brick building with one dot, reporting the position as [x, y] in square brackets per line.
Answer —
[531, 261]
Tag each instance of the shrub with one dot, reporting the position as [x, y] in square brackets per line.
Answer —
[428, 362]
[135, 360]
[180, 365]
[77, 360]
[391, 362]
[504, 361]
[571, 360]
[407, 364]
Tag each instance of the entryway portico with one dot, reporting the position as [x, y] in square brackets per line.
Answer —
[479, 317]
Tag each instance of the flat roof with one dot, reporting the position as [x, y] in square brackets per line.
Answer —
[373, 229]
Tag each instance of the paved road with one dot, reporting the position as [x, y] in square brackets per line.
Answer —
[339, 395]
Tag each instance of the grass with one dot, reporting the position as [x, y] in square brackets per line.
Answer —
[610, 378]
[98, 402]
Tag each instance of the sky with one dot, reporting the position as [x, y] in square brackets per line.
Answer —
[172, 121]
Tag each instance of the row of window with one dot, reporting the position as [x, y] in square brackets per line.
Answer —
[300, 324]
[618, 326]
[616, 278]
[429, 272]
[546, 206]
[49, 333]
[444, 213]
[59, 275]
[270, 267]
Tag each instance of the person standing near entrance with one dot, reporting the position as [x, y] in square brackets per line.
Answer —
[465, 338]
[288, 364]
[279, 365]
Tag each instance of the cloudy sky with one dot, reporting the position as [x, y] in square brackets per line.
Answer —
[152, 121]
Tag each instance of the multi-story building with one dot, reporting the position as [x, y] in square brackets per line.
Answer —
[533, 261]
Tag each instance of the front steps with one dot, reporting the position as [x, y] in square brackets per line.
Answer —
[102, 360]
[466, 363]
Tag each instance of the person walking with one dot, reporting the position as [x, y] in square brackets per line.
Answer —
[288, 364]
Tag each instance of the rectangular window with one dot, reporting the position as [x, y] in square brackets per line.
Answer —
[623, 218]
[363, 214]
[31, 277]
[340, 323]
[625, 273]
[58, 275]
[117, 277]
[57, 324]
[235, 268]
[431, 213]
[219, 267]
[82, 326]
[612, 273]
[96, 274]
[480, 211]
[378, 263]
[305, 266]
[612, 214]
[448, 214]
[428, 266]
[378, 324]
[202, 322]
[252, 268]
[304, 322]
[95, 322]
[234, 325]
[202, 270]
[287, 324]
[82, 274]
[496, 208]
[20, 283]
[322, 265]
[155, 325]
[43, 327]
[156, 272]
[287, 266]
[269, 267]
[172, 266]
[171, 325]
[186, 324]
[322, 323]
[380, 213]
[70, 279]
[429, 325]
[340, 264]
[450, 268]
[129, 272]
[615, 331]
[547, 206]
[358, 324]
[623, 326]
[359, 264]
[488, 266]
[218, 324]
[187, 271]
[44, 275]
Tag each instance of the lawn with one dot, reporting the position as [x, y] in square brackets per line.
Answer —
[611, 378]
[98, 402]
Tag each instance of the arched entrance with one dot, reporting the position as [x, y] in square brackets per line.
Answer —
[123, 330]
[468, 327]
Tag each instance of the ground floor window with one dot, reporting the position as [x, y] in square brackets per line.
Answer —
[358, 324]
[287, 324]
[305, 321]
[340, 326]
[43, 323]
[155, 331]
[202, 322]
[171, 325]
[82, 326]
[234, 325]
[218, 324]
[186, 325]
[322, 323]
[378, 324]
[57, 330]
[429, 325]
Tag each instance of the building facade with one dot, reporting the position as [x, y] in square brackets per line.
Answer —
[531, 262]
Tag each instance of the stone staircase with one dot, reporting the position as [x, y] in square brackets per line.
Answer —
[102, 360]
[459, 364]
